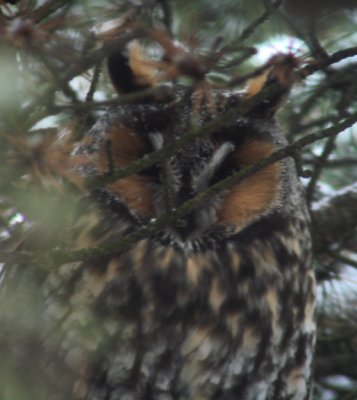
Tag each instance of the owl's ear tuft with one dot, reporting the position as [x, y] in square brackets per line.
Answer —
[129, 71]
[280, 72]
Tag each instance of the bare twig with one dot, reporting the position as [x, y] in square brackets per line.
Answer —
[62, 84]
[332, 59]
[288, 21]
[236, 81]
[48, 8]
[335, 163]
[320, 122]
[94, 83]
[343, 259]
[328, 148]
[250, 29]
[160, 92]
[319, 51]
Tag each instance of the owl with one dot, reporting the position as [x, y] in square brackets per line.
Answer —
[217, 304]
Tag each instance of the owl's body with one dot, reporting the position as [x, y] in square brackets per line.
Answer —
[217, 305]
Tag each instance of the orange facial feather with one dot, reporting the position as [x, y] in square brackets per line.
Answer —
[254, 194]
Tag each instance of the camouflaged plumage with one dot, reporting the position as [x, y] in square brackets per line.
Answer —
[219, 306]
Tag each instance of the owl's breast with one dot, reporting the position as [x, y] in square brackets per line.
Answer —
[204, 323]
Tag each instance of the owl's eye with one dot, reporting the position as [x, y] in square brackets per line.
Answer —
[136, 190]
[147, 125]
[117, 146]
[255, 194]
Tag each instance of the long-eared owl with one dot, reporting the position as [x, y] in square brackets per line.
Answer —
[217, 304]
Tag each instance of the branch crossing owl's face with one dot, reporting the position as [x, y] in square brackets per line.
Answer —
[219, 303]
[135, 130]
[167, 185]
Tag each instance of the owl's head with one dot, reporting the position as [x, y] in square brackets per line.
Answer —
[136, 130]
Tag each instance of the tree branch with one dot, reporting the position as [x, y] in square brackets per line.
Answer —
[335, 218]
[332, 59]
[60, 256]
[250, 29]
[318, 167]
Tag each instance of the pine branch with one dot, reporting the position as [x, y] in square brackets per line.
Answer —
[251, 28]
